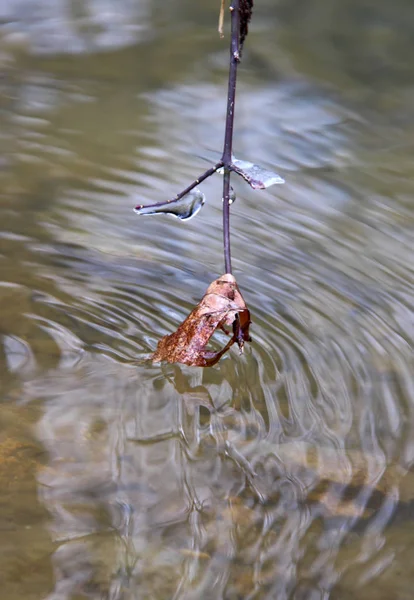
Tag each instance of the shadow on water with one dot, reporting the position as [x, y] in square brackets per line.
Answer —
[283, 473]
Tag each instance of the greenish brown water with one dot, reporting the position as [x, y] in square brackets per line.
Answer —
[286, 473]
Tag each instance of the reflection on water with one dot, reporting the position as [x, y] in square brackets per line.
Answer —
[283, 473]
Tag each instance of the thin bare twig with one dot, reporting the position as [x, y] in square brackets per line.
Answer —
[221, 18]
[188, 189]
[228, 136]
[241, 11]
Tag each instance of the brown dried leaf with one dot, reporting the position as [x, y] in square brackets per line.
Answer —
[221, 305]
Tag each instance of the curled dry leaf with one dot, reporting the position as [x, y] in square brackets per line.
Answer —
[222, 305]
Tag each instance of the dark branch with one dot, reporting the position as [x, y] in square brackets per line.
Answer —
[226, 221]
[241, 12]
[228, 136]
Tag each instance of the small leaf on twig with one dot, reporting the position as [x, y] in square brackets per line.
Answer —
[186, 208]
[222, 305]
[257, 177]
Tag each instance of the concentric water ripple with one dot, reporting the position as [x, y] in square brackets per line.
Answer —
[282, 473]
[309, 425]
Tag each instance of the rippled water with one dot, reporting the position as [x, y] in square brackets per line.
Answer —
[283, 473]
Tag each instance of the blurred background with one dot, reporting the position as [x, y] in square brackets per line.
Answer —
[285, 473]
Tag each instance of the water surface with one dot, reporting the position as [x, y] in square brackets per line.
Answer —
[282, 473]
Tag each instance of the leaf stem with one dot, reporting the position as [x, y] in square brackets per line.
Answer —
[226, 158]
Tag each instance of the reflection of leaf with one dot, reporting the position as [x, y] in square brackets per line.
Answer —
[184, 209]
[222, 305]
[256, 176]
[335, 504]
